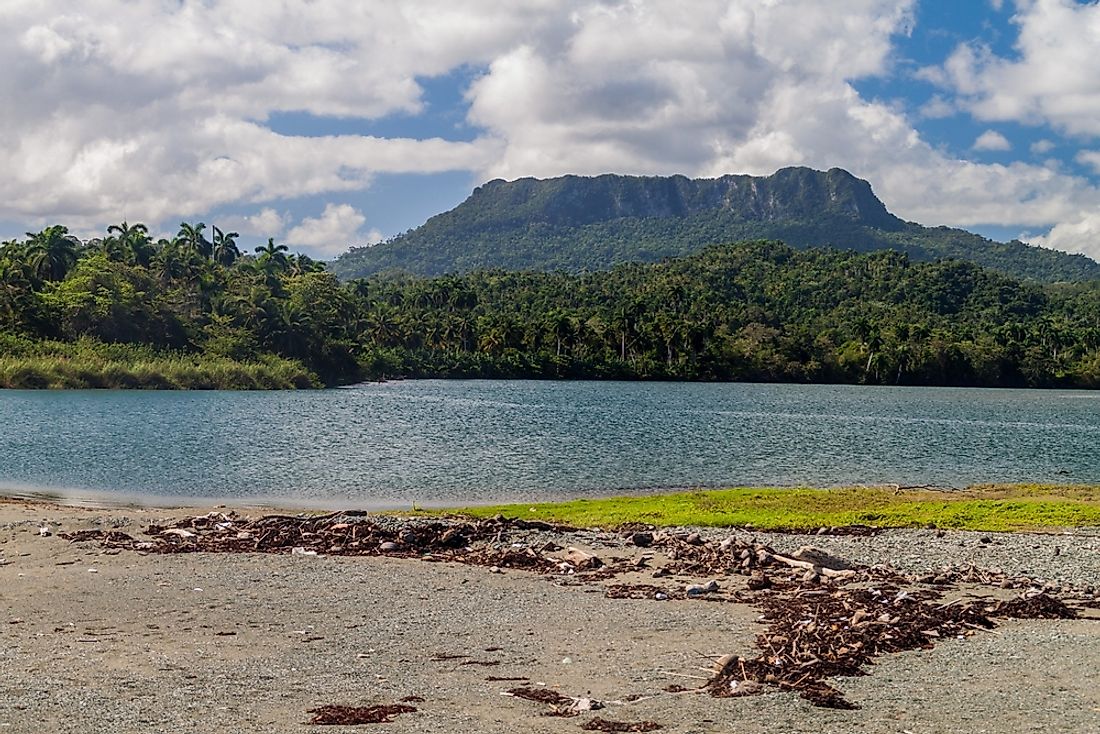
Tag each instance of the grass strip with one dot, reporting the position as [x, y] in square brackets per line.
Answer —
[992, 508]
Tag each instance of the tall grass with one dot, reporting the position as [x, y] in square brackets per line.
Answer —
[91, 364]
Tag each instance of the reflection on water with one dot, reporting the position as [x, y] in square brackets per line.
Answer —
[432, 442]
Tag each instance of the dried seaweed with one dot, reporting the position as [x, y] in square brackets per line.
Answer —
[814, 635]
[598, 724]
[336, 715]
[1038, 606]
[541, 695]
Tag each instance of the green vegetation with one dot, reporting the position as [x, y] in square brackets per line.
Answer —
[196, 313]
[577, 224]
[186, 312]
[987, 508]
[86, 363]
[753, 312]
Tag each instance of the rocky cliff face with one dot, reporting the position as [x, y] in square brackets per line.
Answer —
[575, 223]
[788, 194]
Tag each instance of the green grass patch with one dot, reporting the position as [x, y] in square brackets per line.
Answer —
[87, 363]
[991, 508]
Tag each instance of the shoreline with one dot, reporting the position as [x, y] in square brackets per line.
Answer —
[799, 509]
[103, 638]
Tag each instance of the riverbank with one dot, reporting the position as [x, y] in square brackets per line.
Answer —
[86, 363]
[105, 638]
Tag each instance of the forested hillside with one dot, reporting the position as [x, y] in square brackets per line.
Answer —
[575, 223]
[125, 311]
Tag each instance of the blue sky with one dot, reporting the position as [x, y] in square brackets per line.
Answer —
[345, 122]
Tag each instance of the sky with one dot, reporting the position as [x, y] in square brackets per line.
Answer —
[344, 122]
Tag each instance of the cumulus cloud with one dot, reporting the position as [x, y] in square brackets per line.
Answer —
[991, 140]
[936, 108]
[160, 111]
[1050, 79]
[1041, 147]
[157, 110]
[338, 227]
[1090, 158]
[1080, 235]
[265, 223]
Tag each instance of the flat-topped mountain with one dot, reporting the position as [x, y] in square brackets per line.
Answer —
[578, 223]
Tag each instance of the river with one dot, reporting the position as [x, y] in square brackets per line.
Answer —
[437, 442]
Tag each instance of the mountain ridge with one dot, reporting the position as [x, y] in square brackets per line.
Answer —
[575, 223]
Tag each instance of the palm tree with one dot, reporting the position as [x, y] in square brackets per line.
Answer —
[191, 237]
[225, 250]
[302, 264]
[52, 252]
[272, 255]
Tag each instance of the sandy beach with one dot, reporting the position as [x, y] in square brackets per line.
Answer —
[108, 640]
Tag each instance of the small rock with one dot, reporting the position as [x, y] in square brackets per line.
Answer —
[822, 558]
[693, 539]
[300, 551]
[745, 688]
[93, 570]
[44, 532]
[642, 540]
[495, 569]
[581, 560]
[660, 596]
[758, 581]
[985, 540]
[810, 577]
[585, 704]
[388, 547]
[701, 589]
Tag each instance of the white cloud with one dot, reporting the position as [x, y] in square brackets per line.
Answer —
[158, 111]
[1041, 147]
[991, 140]
[338, 227]
[1051, 78]
[1090, 158]
[936, 108]
[1080, 235]
[267, 222]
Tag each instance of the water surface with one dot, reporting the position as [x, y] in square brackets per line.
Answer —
[440, 442]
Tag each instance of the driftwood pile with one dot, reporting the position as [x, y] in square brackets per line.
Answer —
[824, 633]
[337, 534]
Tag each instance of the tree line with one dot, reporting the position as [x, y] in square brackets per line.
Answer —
[750, 311]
